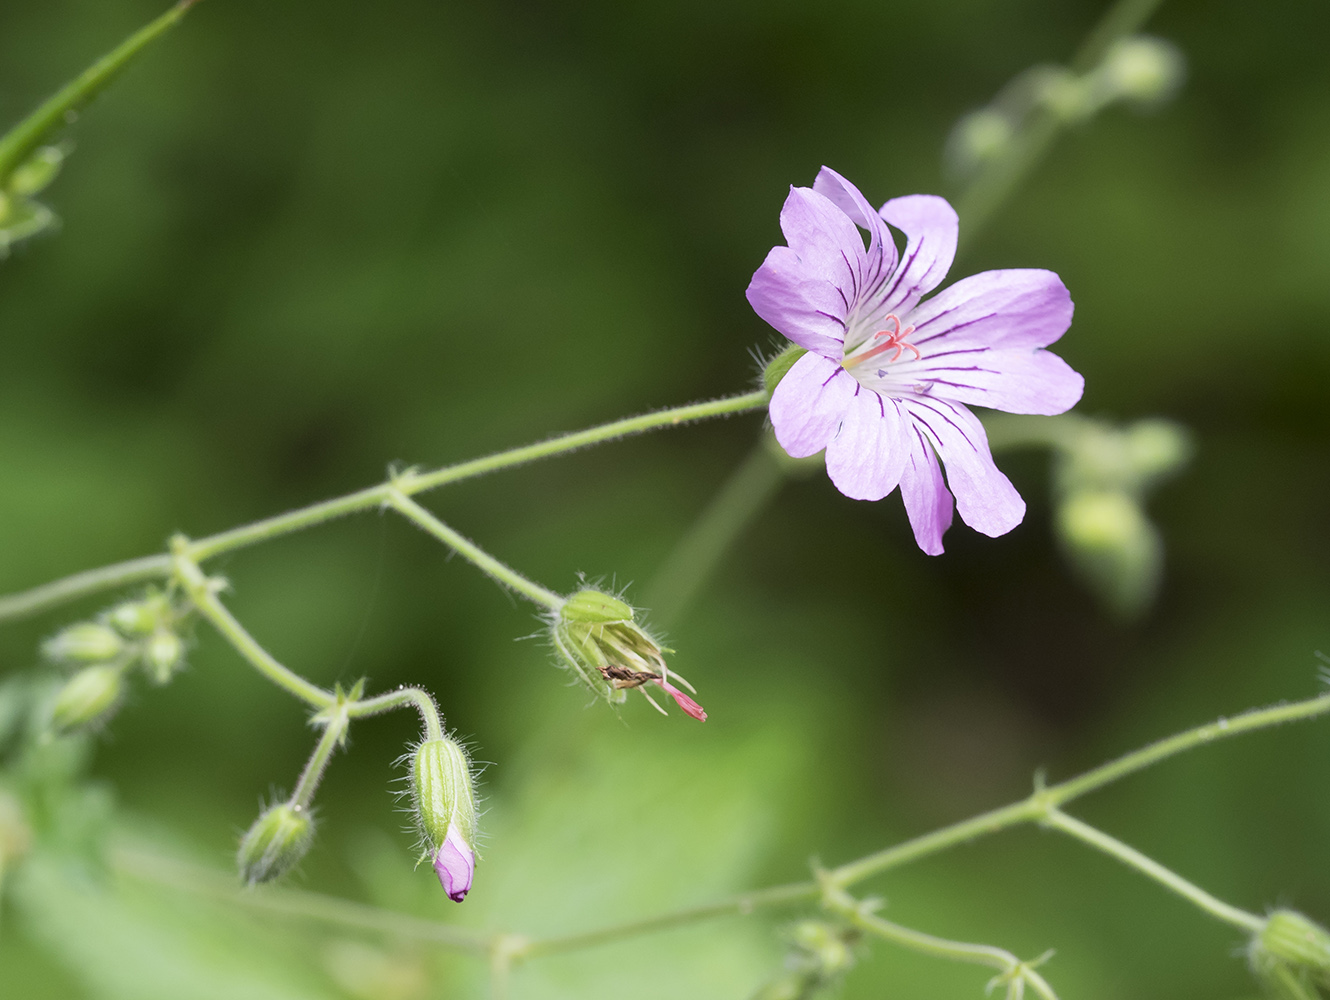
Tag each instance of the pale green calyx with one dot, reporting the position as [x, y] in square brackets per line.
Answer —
[596, 636]
[86, 642]
[779, 366]
[275, 843]
[442, 792]
[89, 697]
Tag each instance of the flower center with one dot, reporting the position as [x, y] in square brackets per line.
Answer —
[880, 343]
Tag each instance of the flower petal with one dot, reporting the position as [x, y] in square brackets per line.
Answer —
[927, 500]
[1022, 307]
[455, 864]
[987, 501]
[880, 258]
[808, 403]
[866, 459]
[931, 226]
[808, 310]
[1018, 380]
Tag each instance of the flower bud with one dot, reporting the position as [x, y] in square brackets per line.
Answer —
[36, 171]
[779, 366]
[163, 654]
[445, 807]
[1113, 545]
[86, 642]
[90, 696]
[1291, 938]
[1143, 69]
[134, 618]
[275, 843]
[596, 636]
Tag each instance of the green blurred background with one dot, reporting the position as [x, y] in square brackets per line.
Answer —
[301, 241]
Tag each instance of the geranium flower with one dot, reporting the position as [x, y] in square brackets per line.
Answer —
[887, 381]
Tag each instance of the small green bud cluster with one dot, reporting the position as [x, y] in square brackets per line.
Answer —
[275, 843]
[820, 955]
[1101, 481]
[21, 215]
[1138, 70]
[1290, 955]
[143, 632]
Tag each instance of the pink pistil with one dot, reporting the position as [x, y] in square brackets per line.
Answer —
[895, 341]
[685, 702]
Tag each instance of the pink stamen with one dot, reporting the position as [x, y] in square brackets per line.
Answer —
[895, 341]
[685, 702]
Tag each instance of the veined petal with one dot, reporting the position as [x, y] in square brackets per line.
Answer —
[866, 459]
[1022, 307]
[927, 500]
[807, 309]
[825, 238]
[808, 404]
[1018, 380]
[455, 864]
[880, 259]
[931, 228]
[984, 496]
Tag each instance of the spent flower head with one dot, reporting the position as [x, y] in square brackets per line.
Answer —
[887, 381]
[597, 637]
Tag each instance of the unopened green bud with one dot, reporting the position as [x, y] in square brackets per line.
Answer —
[1156, 448]
[1143, 69]
[779, 366]
[1113, 545]
[86, 642]
[445, 806]
[1291, 938]
[36, 172]
[275, 843]
[163, 654]
[144, 617]
[976, 139]
[90, 696]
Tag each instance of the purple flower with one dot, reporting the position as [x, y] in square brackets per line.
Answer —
[455, 864]
[887, 380]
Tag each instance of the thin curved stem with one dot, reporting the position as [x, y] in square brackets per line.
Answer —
[402, 697]
[473, 553]
[53, 594]
[334, 735]
[204, 597]
[23, 139]
[1057, 820]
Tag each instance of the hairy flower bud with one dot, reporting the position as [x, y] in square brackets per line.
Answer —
[36, 171]
[597, 637]
[142, 617]
[163, 653]
[89, 697]
[1143, 69]
[445, 807]
[275, 843]
[86, 642]
[1291, 938]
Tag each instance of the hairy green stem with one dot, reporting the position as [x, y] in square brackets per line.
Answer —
[334, 734]
[202, 593]
[860, 914]
[1057, 820]
[51, 595]
[401, 698]
[22, 140]
[473, 553]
